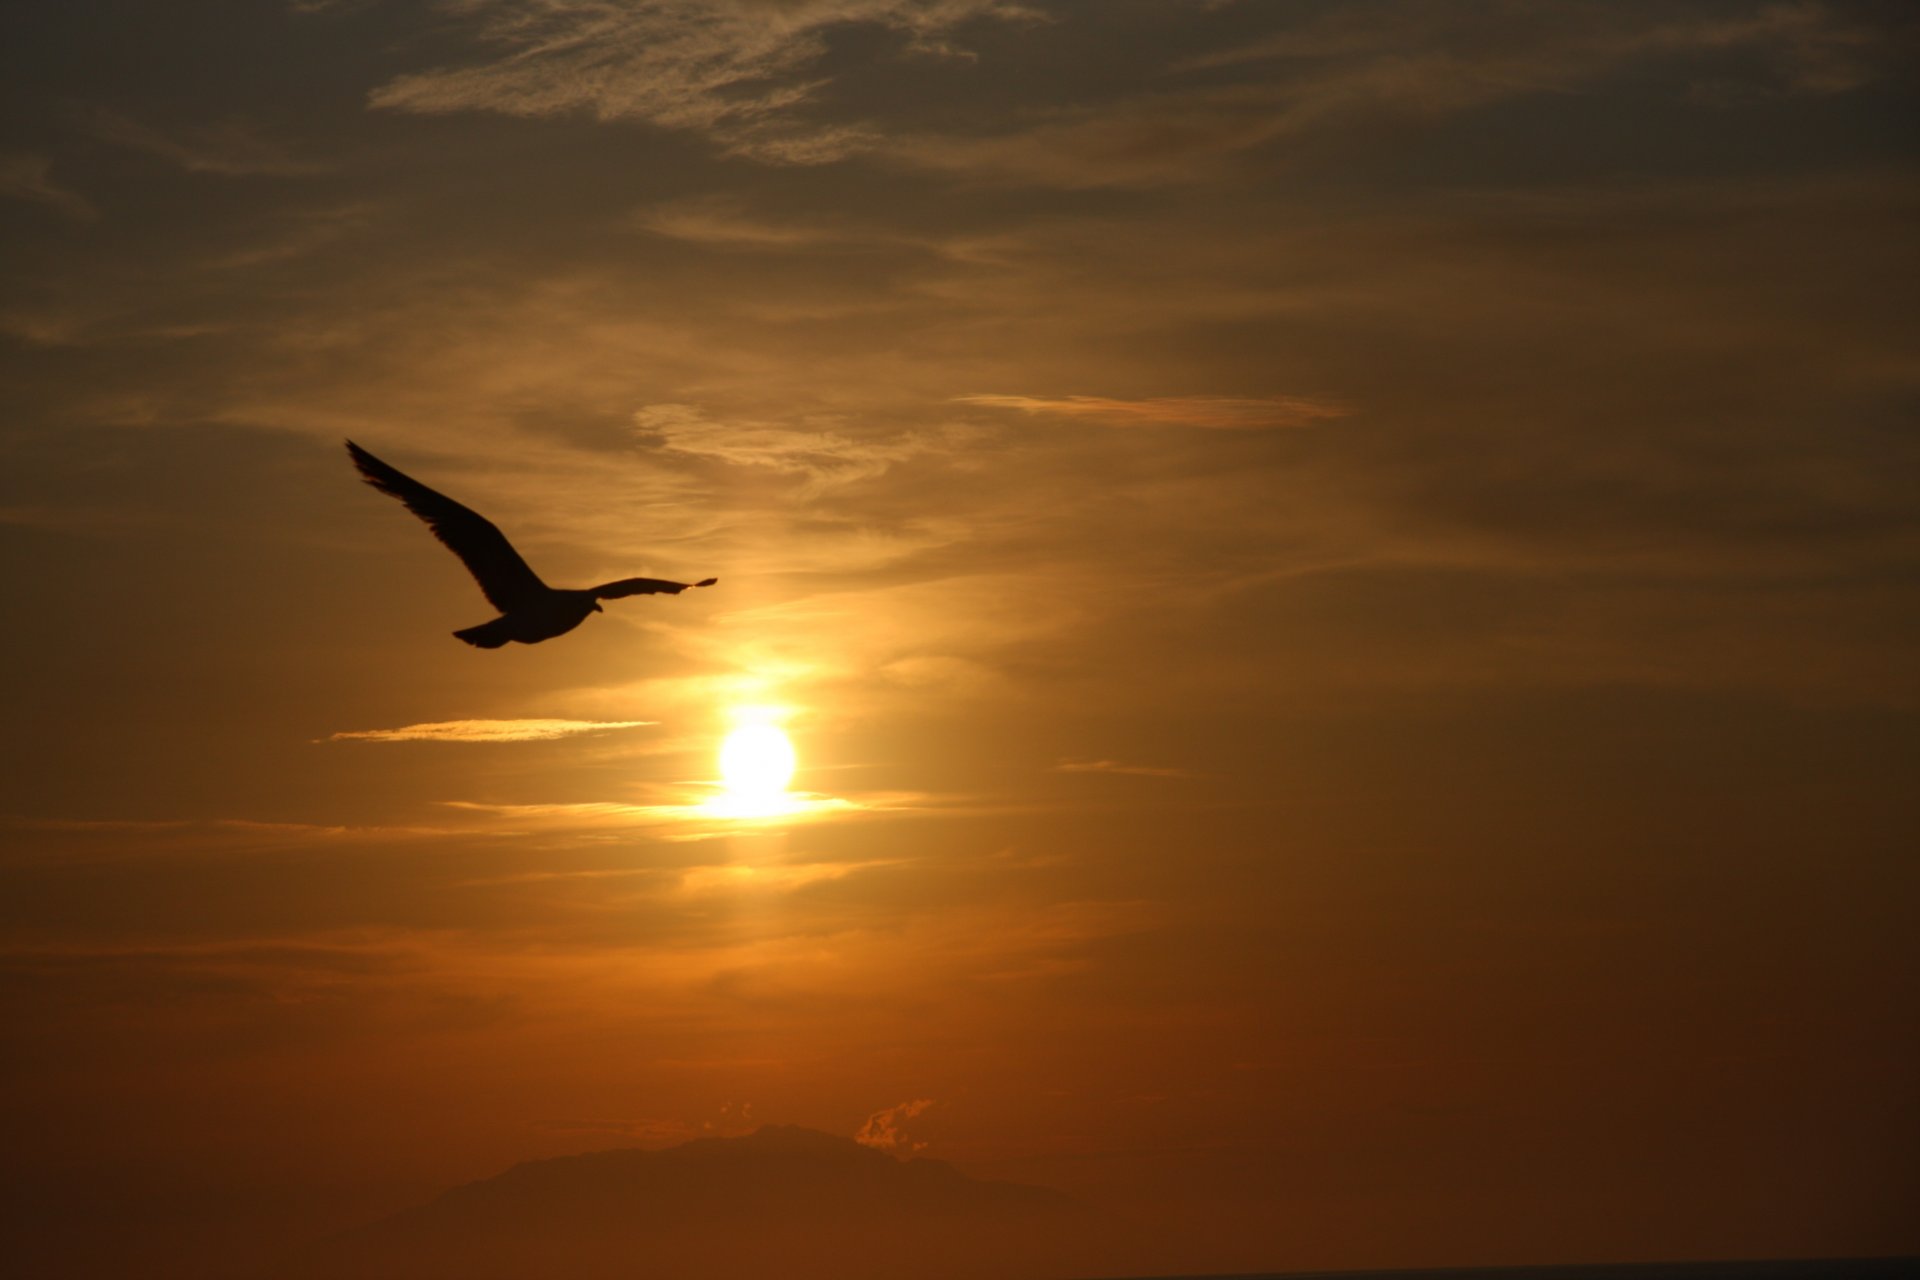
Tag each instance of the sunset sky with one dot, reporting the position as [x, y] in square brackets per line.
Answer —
[1341, 576]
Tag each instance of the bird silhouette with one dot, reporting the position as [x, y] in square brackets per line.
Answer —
[530, 610]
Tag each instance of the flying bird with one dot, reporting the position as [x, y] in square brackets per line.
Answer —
[530, 610]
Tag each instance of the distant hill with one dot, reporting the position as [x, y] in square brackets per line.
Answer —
[784, 1201]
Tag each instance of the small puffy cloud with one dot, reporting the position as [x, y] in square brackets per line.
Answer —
[883, 1132]
[487, 731]
[1213, 413]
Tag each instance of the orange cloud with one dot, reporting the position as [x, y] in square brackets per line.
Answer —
[882, 1129]
[486, 731]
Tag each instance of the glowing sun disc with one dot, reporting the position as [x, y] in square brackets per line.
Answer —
[756, 763]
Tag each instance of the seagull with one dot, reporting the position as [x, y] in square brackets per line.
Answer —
[530, 610]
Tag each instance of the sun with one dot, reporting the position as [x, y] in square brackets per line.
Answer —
[756, 764]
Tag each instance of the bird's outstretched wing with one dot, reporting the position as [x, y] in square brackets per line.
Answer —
[645, 587]
[503, 576]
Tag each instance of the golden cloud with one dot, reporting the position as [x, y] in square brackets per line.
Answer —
[486, 731]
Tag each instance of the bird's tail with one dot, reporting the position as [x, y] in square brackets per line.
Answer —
[488, 635]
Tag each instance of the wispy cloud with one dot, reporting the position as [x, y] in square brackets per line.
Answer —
[232, 148]
[711, 221]
[826, 456]
[1216, 413]
[303, 232]
[486, 731]
[739, 877]
[1357, 65]
[78, 840]
[1557, 34]
[699, 811]
[739, 71]
[27, 176]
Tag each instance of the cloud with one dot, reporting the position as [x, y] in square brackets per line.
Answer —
[723, 222]
[882, 1129]
[304, 232]
[738, 71]
[487, 731]
[1150, 139]
[26, 176]
[696, 811]
[719, 222]
[1115, 766]
[1429, 58]
[752, 76]
[78, 841]
[1217, 413]
[826, 456]
[738, 877]
[1357, 65]
[232, 148]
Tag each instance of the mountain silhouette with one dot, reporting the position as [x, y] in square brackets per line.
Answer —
[783, 1201]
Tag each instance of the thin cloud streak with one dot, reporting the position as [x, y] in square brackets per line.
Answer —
[1116, 766]
[231, 148]
[724, 223]
[487, 731]
[1213, 413]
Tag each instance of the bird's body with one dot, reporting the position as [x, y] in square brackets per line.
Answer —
[554, 616]
[530, 610]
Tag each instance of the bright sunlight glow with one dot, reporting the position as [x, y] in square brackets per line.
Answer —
[756, 763]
